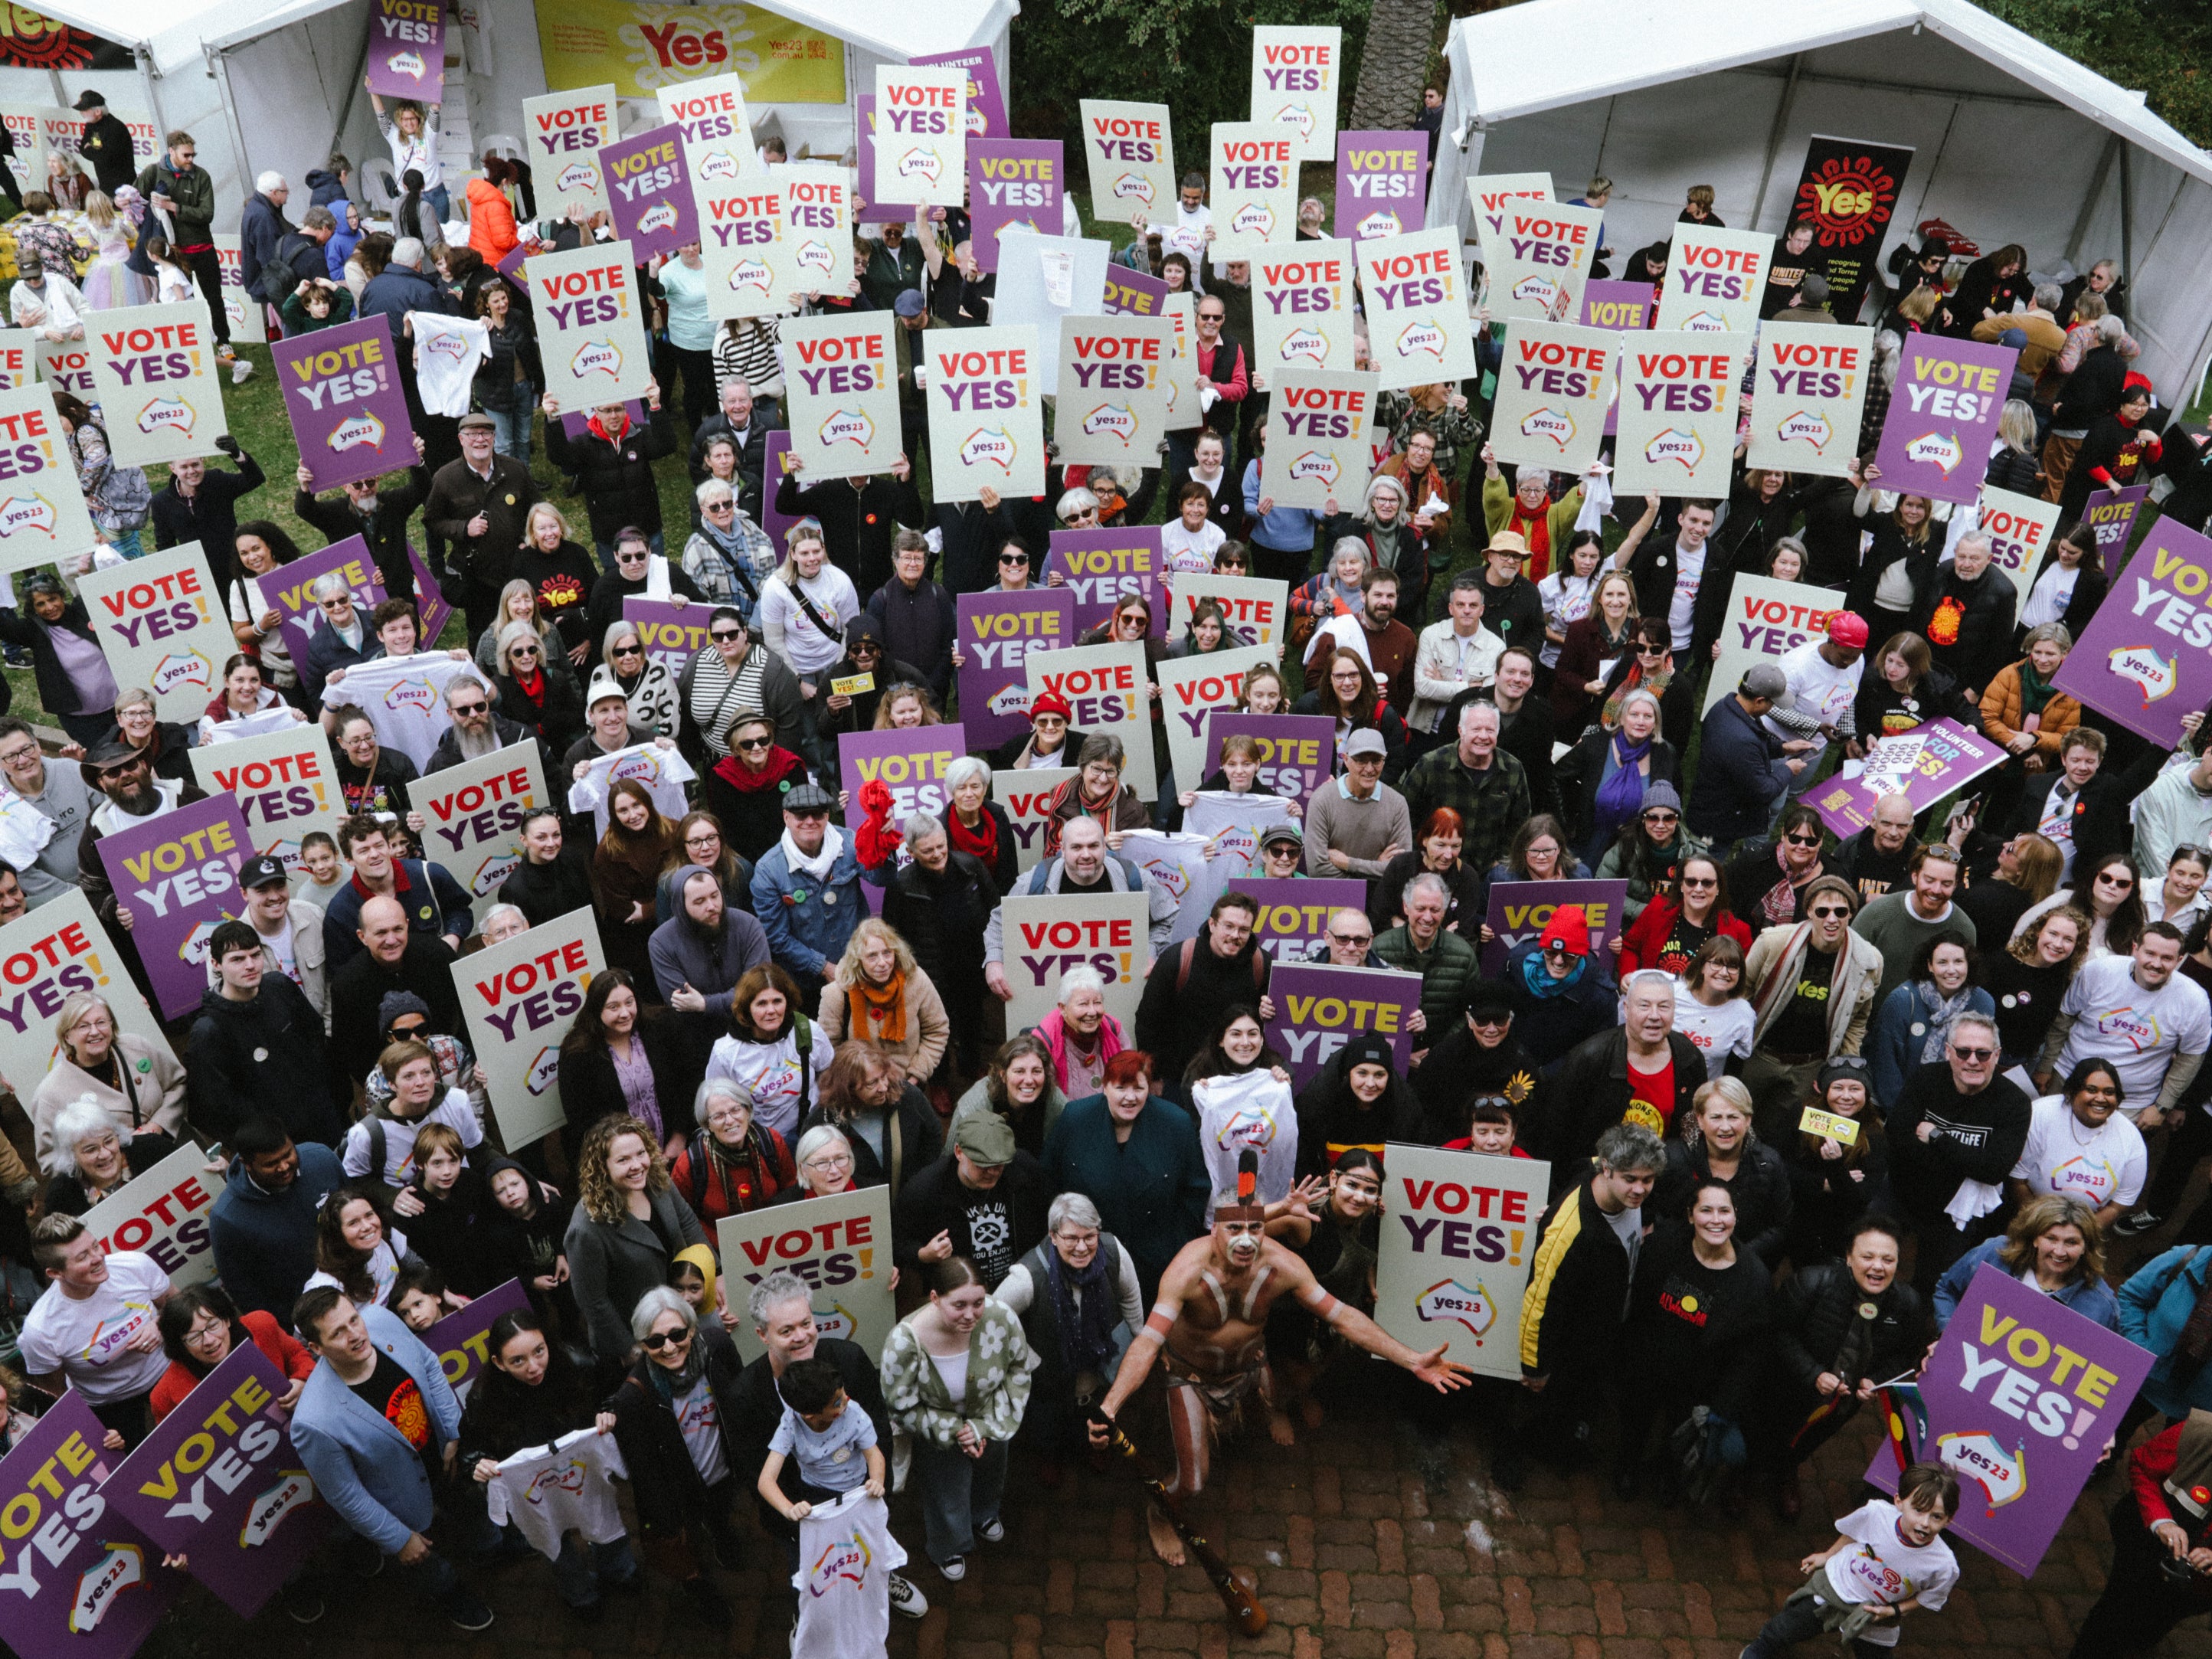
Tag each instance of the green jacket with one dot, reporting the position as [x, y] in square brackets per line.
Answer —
[1613, 866]
[997, 1392]
[1493, 802]
[194, 194]
[1448, 973]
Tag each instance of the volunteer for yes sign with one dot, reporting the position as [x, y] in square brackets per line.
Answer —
[1553, 389]
[1319, 1008]
[1318, 425]
[154, 368]
[997, 633]
[592, 323]
[1301, 306]
[519, 997]
[1045, 936]
[842, 399]
[563, 132]
[1107, 688]
[1677, 412]
[42, 512]
[158, 619]
[1256, 187]
[841, 1245]
[177, 872]
[1130, 151]
[985, 412]
[921, 136]
[1380, 181]
[342, 394]
[1417, 318]
[45, 957]
[1112, 404]
[472, 814]
[1808, 394]
[1294, 73]
[1459, 1239]
[1943, 413]
[1714, 279]
[2146, 657]
[285, 783]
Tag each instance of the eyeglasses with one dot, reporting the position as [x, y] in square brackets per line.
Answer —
[1803, 840]
[755, 742]
[22, 757]
[1974, 1054]
[825, 1162]
[722, 507]
[1830, 911]
[456, 707]
[659, 1340]
[724, 636]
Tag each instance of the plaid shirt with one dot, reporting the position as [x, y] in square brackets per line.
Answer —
[1493, 804]
[709, 566]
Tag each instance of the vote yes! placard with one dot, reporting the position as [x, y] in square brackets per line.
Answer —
[591, 325]
[563, 132]
[154, 369]
[840, 394]
[42, 512]
[986, 412]
[519, 996]
[921, 136]
[159, 621]
[1108, 691]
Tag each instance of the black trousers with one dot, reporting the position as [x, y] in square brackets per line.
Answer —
[207, 271]
[2140, 1603]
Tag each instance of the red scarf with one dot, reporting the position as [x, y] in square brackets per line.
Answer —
[982, 841]
[781, 763]
[1537, 533]
[597, 431]
[534, 688]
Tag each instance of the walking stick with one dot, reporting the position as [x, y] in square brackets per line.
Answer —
[1238, 1591]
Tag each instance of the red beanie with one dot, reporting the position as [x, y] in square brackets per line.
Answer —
[1570, 931]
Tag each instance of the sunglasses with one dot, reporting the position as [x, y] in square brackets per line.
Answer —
[1486, 1020]
[724, 636]
[1699, 881]
[722, 507]
[659, 1340]
[2107, 879]
[632, 554]
[1353, 938]
[1974, 1054]
[1651, 650]
[1803, 840]
[1661, 815]
[755, 742]
[1014, 558]
[523, 651]
[462, 708]
[629, 650]
[1830, 911]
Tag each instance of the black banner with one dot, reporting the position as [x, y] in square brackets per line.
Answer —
[1848, 191]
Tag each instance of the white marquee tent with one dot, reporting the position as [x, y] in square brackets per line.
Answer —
[276, 86]
[2012, 140]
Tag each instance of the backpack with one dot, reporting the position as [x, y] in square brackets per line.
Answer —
[1189, 951]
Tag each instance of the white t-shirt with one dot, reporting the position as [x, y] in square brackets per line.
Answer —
[1189, 552]
[454, 1111]
[1567, 600]
[769, 1072]
[2048, 599]
[284, 945]
[2139, 1031]
[700, 1419]
[1823, 691]
[1716, 1033]
[846, 1558]
[806, 647]
[1682, 610]
[567, 1486]
[1883, 1568]
[448, 351]
[1250, 1109]
[89, 1340]
[2099, 1167]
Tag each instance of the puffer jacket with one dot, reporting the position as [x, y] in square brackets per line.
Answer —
[1817, 1305]
[1448, 973]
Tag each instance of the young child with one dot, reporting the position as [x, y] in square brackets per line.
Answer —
[1493, 1126]
[326, 872]
[419, 1296]
[1888, 1559]
[692, 1277]
[835, 1445]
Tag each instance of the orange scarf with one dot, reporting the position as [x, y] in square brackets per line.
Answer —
[877, 1015]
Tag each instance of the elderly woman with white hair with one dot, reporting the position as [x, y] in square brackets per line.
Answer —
[139, 1084]
[1525, 508]
[642, 678]
[1080, 1034]
[941, 903]
[728, 556]
[732, 1164]
[823, 1158]
[977, 825]
[1079, 1303]
[88, 1162]
[502, 922]
[1604, 777]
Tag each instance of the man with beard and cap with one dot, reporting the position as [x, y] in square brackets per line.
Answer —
[478, 728]
[1208, 1330]
[257, 1048]
[134, 795]
[698, 956]
[1479, 1056]
[552, 879]
[393, 959]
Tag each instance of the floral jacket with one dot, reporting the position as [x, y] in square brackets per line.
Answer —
[998, 1366]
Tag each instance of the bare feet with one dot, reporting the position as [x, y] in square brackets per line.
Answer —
[1279, 1430]
[1167, 1543]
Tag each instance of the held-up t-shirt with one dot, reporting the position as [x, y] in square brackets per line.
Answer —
[2100, 1166]
[1882, 1567]
[547, 1492]
[1801, 1027]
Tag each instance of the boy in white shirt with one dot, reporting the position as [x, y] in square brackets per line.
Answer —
[1888, 1559]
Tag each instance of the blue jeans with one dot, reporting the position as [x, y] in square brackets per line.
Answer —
[1800, 1621]
[442, 199]
[511, 426]
[582, 1570]
[958, 1493]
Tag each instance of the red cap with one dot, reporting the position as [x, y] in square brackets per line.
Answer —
[1570, 930]
[1848, 629]
[1050, 703]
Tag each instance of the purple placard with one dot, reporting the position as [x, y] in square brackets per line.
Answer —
[1951, 758]
[776, 523]
[576, 424]
[1942, 414]
[299, 616]
[910, 763]
[1622, 306]
[407, 50]
[511, 263]
[671, 634]
[997, 632]
[2017, 1399]
[1297, 752]
[864, 124]
[1319, 1009]
[1013, 181]
[177, 873]
[1380, 180]
[341, 391]
[1100, 566]
[2142, 659]
[2111, 514]
[77, 1577]
[1134, 293]
[649, 192]
[246, 1515]
[1294, 910]
[1521, 910]
[986, 105]
[462, 1340]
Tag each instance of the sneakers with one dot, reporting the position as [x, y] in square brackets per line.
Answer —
[466, 1611]
[2138, 1221]
[241, 371]
[906, 1600]
[954, 1570]
[993, 1531]
[304, 1607]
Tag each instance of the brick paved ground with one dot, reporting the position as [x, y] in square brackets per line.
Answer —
[1356, 1559]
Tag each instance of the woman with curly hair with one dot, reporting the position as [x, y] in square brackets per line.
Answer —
[2054, 1244]
[630, 1224]
[1019, 1088]
[881, 998]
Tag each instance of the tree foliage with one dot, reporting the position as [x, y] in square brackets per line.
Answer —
[2161, 47]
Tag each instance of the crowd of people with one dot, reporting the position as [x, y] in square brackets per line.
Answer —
[2001, 1008]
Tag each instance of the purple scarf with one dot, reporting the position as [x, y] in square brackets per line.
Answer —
[1621, 795]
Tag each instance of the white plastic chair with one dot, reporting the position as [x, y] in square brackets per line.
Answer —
[500, 143]
[380, 184]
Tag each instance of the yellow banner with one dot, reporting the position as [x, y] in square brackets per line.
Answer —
[642, 48]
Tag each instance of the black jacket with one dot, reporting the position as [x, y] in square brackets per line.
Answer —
[1590, 1087]
[426, 968]
[1003, 757]
[2101, 817]
[589, 1090]
[24, 628]
[1331, 1119]
[616, 480]
[1581, 775]
[263, 1058]
[556, 723]
[935, 1202]
[2092, 389]
[663, 1481]
[106, 145]
[2089, 586]
[1760, 1186]
[1459, 1068]
[917, 627]
[1825, 1200]
[1572, 1312]
[857, 526]
[542, 891]
[1978, 1138]
[754, 1408]
[605, 608]
[486, 563]
[921, 1135]
[210, 515]
[509, 732]
[385, 529]
[942, 918]
[752, 451]
[1699, 1334]
[1888, 546]
[1817, 1305]
[1180, 1013]
[1968, 625]
[1551, 1027]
